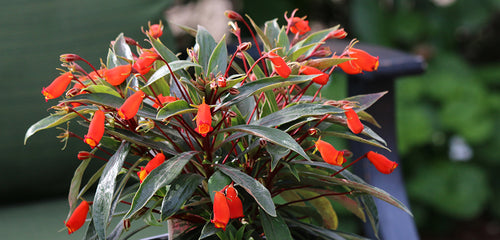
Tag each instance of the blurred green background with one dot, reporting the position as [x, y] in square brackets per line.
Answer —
[448, 118]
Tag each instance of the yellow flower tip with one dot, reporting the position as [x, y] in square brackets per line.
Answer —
[90, 142]
[142, 174]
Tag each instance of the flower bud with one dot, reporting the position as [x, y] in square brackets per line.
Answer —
[156, 30]
[244, 46]
[381, 163]
[338, 34]
[221, 82]
[83, 155]
[69, 57]
[233, 15]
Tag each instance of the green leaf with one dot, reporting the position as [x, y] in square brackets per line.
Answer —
[295, 52]
[283, 42]
[321, 232]
[273, 135]
[217, 182]
[275, 228]
[122, 51]
[54, 120]
[206, 44]
[76, 181]
[262, 85]
[371, 211]
[314, 38]
[252, 186]
[105, 190]
[323, 206]
[272, 30]
[165, 70]
[256, 70]
[218, 59]
[163, 51]
[323, 63]
[158, 178]
[142, 140]
[277, 152]
[295, 112]
[102, 89]
[110, 101]
[364, 101]
[208, 230]
[351, 136]
[259, 31]
[180, 190]
[345, 201]
[175, 108]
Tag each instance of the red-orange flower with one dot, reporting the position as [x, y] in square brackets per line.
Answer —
[163, 99]
[131, 106]
[145, 61]
[299, 25]
[96, 129]
[221, 211]
[362, 61]
[152, 164]
[279, 65]
[350, 67]
[77, 218]
[381, 163]
[58, 86]
[329, 153]
[115, 76]
[353, 121]
[155, 30]
[307, 70]
[203, 119]
[234, 203]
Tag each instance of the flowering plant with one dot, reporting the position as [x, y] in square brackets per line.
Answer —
[223, 144]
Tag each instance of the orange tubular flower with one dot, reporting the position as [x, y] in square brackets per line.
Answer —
[221, 211]
[350, 67]
[203, 119]
[77, 218]
[364, 60]
[329, 153]
[145, 61]
[234, 202]
[117, 75]
[353, 121]
[58, 86]
[164, 99]
[279, 65]
[155, 30]
[152, 164]
[381, 163]
[96, 129]
[299, 25]
[321, 80]
[131, 106]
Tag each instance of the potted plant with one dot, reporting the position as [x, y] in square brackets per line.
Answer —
[221, 144]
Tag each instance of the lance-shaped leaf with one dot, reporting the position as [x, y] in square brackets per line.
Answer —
[76, 182]
[122, 51]
[261, 85]
[180, 190]
[217, 63]
[111, 101]
[295, 112]
[259, 31]
[163, 51]
[141, 140]
[206, 45]
[54, 120]
[175, 108]
[165, 70]
[102, 89]
[351, 136]
[105, 189]
[158, 178]
[323, 206]
[371, 211]
[273, 135]
[274, 227]
[322, 63]
[364, 101]
[252, 186]
[314, 38]
[217, 182]
[272, 30]
[320, 232]
[276, 152]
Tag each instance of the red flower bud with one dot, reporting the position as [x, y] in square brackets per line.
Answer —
[221, 82]
[279, 65]
[96, 129]
[233, 15]
[381, 163]
[58, 86]
[329, 153]
[145, 61]
[117, 75]
[299, 25]
[221, 211]
[152, 164]
[69, 57]
[338, 34]
[156, 30]
[77, 218]
[203, 119]
[164, 99]
[234, 203]
[322, 79]
[131, 106]
[353, 121]
[83, 155]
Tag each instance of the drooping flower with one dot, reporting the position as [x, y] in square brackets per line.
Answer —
[221, 211]
[338, 34]
[77, 218]
[350, 67]
[163, 99]
[96, 129]
[156, 30]
[152, 164]
[362, 61]
[117, 75]
[307, 70]
[299, 25]
[144, 63]
[279, 65]
[131, 106]
[329, 153]
[203, 119]
[353, 121]
[58, 86]
[381, 163]
[234, 202]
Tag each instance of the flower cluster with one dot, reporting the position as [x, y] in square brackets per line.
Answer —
[178, 137]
